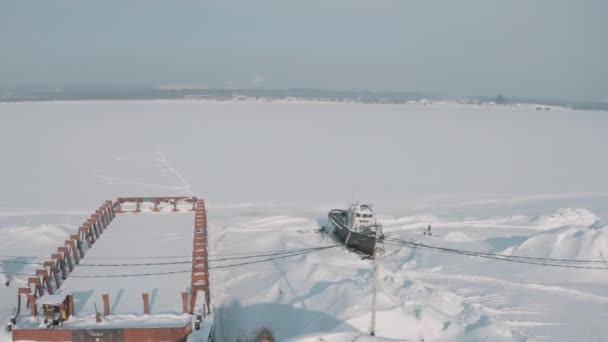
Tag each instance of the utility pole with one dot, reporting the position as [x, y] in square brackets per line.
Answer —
[372, 330]
[377, 253]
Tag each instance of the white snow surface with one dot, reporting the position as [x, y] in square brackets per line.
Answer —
[133, 235]
[129, 237]
[495, 179]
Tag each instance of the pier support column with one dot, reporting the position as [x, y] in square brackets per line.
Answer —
[59, 259]
[66, 255]
[106, 304]
[71, 304]
[54, 272]
[111, 209]
[32, 300]
[36, 282]
[146, 298]
[71, 246]
[84, 232]
[46, 280]
[185, 302]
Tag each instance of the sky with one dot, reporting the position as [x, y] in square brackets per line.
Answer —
[542, 48]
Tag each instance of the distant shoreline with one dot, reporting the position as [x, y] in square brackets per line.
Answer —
[86, 93]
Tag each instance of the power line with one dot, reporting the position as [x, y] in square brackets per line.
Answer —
[209, 260]
[128, 275]
[213, 267]
[275, 258]
[500, 255]
[303, 250]
[490, 256]
[518, 256]
[175, 262]
[146, 257]
[290, 254]
[103, 258]
[553, 262]
[20, 262]
[14, 273]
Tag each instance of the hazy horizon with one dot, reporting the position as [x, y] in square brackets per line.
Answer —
[540, 49]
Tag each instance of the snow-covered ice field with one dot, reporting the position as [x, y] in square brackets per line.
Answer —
[494, 179]
[158, 234]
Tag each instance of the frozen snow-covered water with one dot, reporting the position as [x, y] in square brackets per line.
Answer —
[132, 236]
[253, 152]
[487, 178]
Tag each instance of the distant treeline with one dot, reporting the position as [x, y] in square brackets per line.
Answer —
[72, 93]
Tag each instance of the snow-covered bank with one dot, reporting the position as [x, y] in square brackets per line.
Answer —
[424, 295]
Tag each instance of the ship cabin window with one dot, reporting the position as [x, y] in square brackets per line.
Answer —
[358, 215]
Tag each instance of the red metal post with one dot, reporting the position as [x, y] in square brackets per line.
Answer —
[93, 224]
[45, 280]
[100, 224]
[25, 291]
[185, 302]
[106, 304]
[85, 231]
[54, 272]
[146, 303]
[108, 206]
[106, 214]
[33, 309]
[101, 219]
[76, 237]
[95, 227]
[71, 304]
[72, 246]
[36, 282]
[67, 256]
[59, 259]
[90, 233]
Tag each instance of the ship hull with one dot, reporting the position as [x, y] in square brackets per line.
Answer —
[362, 242]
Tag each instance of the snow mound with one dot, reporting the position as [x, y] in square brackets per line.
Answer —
[407, 222]
[566, 217]
[559, 218]
[457, 237]
[571, 242]
[341, 337]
